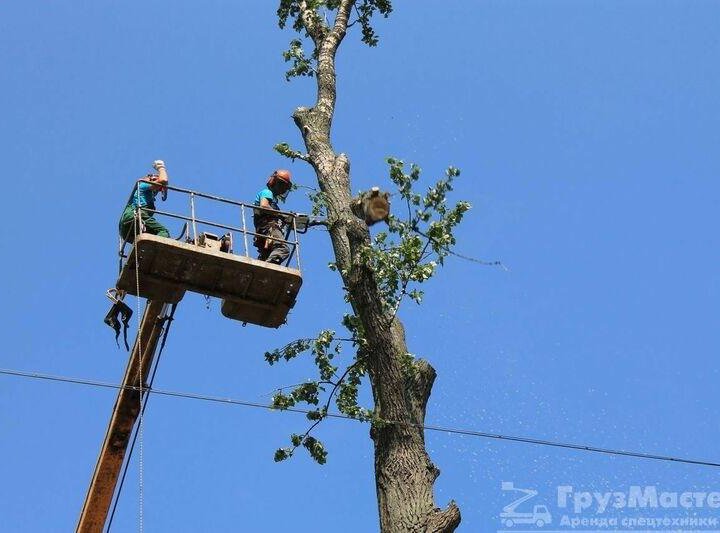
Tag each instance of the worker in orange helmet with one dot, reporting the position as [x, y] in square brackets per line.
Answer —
[269, 226]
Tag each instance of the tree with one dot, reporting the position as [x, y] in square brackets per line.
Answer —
[378, 274]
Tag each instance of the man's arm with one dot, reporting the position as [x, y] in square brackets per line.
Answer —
[265, 198]
[162, 179]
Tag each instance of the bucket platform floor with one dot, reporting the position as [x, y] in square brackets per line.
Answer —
[252, 291]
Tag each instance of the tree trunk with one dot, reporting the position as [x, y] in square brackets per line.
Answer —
[404, 472]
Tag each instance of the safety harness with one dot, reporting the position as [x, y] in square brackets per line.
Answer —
[118, 308]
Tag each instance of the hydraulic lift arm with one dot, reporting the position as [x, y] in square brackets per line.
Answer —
[124, 417]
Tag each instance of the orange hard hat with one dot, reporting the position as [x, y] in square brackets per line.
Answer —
[281, 175]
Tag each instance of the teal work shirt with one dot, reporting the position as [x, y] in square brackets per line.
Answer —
[269, 196]
[262, 218]
[143, 196]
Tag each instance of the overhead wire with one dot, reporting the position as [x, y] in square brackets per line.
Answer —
[427, 427]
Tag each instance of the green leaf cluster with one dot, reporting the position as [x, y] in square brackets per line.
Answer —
[412, 247]
[291, 12]
[316, 449]
[306, 392]
[284, 149]
[325, 348]
[365, 11]
[300, 65]
[289, 351]
[347, 397]
[319, 203]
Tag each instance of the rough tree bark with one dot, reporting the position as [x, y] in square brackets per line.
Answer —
[404, 472]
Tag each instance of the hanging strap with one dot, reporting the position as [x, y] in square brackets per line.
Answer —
[126, 314]
[111, 319]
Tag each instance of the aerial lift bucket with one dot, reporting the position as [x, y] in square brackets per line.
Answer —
[252, 291]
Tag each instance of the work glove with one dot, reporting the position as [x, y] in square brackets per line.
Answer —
[158, 164]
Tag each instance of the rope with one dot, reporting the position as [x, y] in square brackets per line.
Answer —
[453, 431]
[168, 320]
[138, 226]
[461, 256]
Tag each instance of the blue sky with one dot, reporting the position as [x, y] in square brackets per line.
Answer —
[587, 135]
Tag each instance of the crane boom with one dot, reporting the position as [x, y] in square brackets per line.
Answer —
[124, 417]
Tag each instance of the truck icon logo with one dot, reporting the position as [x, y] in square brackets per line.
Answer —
[511, 516]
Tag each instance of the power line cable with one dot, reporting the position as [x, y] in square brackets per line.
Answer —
[440, 429]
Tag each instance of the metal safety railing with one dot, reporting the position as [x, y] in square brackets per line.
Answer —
[294, 223]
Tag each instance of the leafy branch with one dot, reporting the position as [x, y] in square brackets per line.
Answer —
[300, 64]
[284, 149]
[411, 249]
[325, 347]
[304, 17]
[347, 397]
[365, 12]
[408, 252]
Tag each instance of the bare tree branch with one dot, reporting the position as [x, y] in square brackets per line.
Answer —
[341, 20]
[313, 24]
[326, 61]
